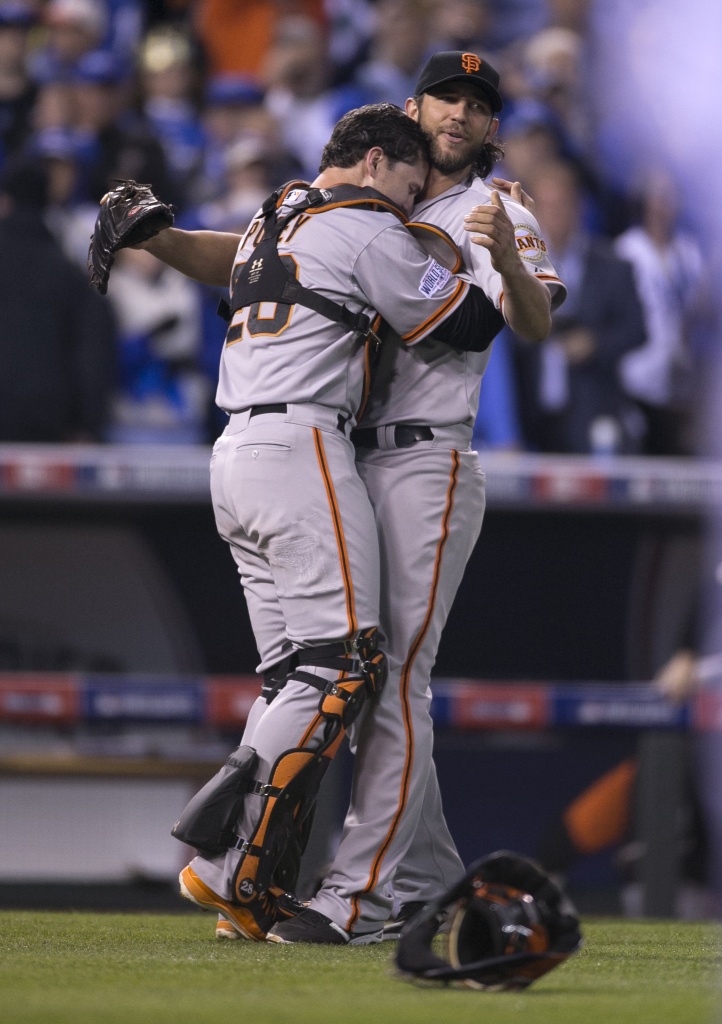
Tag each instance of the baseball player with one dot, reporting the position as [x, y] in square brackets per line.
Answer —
[308, 279]
[427, 492]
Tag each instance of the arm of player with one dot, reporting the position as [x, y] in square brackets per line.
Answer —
[427, 298]
[204, 256]
[527, 303]
[473, 325]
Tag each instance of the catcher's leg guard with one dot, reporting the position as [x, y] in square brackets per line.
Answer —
[295, 777]
[288, 867]
[210, 817]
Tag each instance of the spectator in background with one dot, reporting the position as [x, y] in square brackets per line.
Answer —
[235, 111]
[668, 268]
[460, 25]
[553, 65]
[570, 393]
[57, 344]
[299, 94]
[513, 20]
[237, 34]
[531, 137]
[350, 30]
[53, 103]
[125, 25]
[17, 90]
[398, 48]
[161, 395]
[71, 222]
[248, 170]
[116, 142]
[169, 99]
[72, 28]
[498, 424]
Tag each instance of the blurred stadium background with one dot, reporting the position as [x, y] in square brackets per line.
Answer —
[126, 658]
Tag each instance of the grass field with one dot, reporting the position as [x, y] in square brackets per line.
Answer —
[78, 968]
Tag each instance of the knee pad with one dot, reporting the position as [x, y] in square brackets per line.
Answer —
[209, 819]
[363, 670]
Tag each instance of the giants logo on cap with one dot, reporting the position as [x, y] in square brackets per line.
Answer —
[470, 62]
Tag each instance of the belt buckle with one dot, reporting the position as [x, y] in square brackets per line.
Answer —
[404, 436]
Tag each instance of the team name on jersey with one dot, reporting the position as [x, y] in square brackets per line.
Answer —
[530, 246]
[434, 278]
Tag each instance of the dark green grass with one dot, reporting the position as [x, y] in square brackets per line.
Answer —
[83, 968]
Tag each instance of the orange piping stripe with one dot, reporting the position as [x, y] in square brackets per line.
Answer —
[338, 527]
[461, 287]
[404, 690]
[374, 204]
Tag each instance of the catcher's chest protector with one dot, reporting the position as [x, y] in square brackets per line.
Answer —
[269, 277]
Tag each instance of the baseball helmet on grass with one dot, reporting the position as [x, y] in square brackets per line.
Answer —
[508, 924]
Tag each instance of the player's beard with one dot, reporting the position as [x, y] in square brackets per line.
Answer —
[451, 163]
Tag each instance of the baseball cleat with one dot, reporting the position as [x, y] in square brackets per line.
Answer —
[310, 926]
[393, 928]
[225, 930]
[252, 921]
[286, 904]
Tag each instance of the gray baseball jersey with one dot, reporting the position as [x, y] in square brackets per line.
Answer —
[428, 502]
[279, 353]
[286, 492]
[438, 386]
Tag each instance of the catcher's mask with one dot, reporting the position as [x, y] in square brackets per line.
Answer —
[507, 924]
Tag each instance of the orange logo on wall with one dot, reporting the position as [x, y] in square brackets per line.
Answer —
[470, 62]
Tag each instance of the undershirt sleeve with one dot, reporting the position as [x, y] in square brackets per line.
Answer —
[473, 325]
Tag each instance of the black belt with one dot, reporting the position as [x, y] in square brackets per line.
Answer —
[258, 410]
[404, 436]
[281, 407]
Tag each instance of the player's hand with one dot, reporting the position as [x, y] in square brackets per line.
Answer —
[514, 190]
[492, 228]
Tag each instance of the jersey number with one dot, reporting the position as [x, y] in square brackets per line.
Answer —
[251, 318]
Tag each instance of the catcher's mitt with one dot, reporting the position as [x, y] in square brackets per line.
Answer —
[129, 214]
[508, 924]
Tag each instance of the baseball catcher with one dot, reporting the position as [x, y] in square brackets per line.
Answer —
[129, 214]
[507, 925]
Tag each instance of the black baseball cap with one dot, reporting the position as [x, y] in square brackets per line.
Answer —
[458, 66]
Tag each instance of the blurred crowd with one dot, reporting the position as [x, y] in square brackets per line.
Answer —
[216, 103]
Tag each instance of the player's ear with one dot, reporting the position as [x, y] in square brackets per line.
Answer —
[412, 108]
[373, 159]
[493, 129]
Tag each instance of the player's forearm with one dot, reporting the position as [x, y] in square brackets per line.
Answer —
[527, 305]
[205, 256]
